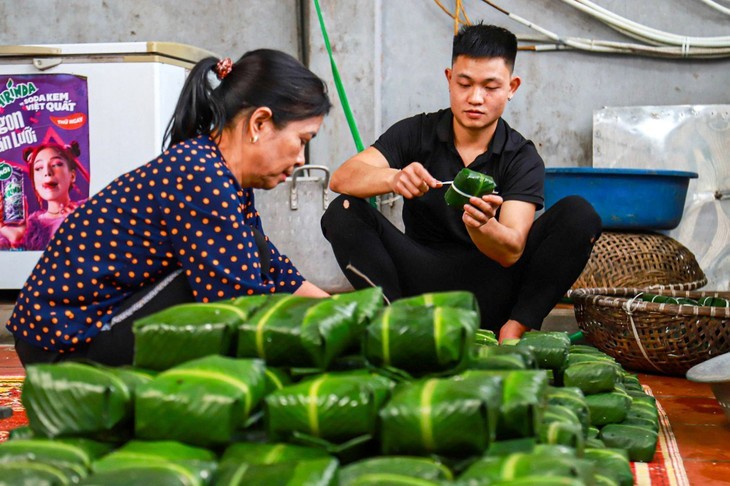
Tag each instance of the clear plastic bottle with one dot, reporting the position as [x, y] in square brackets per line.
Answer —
[13, 199]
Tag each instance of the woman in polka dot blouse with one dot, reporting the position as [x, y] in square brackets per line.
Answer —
[184, 226]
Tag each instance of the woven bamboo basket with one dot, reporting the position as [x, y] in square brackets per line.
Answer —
[651, 337]
[641, 260]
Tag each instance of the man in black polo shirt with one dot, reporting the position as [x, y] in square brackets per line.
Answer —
[517, 266]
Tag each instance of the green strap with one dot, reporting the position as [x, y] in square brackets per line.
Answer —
[338, 83]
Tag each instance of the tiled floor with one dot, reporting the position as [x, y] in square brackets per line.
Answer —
[702, 431]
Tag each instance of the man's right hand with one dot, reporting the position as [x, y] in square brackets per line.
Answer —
[413, 181]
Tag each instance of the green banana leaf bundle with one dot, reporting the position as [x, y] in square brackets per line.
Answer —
[158, 473]
[71, 456]
[489, 388]
[80, 399]
[394, 470]
[368, 302]
[549, 348]
[335, 407]
[643, 413]
[591, 377]
[431, 416]
[461, 299]
[561, 426]
[573, 399]
[267, 453]
[275, 379]
[295, 331]
[184, 332]
[168, 458]
[501, 358]
[33, 473]
[506, 447]
[524, 396]
[468, 183]
[612, 464]
[420, 340]
[638, 442]
[631, 382]
[521, 466]
[609, 408]
[201, 402]
[312, 472]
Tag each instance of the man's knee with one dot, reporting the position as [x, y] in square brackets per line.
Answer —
[577, 217]
[341, 210]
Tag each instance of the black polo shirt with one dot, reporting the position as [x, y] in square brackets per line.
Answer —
[428, 138]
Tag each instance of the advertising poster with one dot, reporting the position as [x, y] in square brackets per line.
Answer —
[44, 156]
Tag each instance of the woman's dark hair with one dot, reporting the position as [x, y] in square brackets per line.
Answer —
[69, 153]
[263, 77]
[481, 40]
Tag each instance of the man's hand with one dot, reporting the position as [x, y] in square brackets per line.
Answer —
[512, 330]
[413, 181]
[480, 210]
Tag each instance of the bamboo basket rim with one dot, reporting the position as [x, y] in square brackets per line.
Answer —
[618, 297]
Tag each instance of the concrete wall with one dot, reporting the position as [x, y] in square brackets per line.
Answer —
[392, 55]
[226, 27]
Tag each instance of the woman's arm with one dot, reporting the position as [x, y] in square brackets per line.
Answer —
[308, 289]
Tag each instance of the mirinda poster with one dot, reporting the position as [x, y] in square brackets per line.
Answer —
[44, 156]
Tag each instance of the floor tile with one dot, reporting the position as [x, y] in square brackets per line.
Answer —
[693, 410]
[675, 386]
[707, 473]
[703, 442]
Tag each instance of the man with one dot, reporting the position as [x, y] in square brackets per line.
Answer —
[517, 266]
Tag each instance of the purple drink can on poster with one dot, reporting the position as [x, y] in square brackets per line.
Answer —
[13, 196]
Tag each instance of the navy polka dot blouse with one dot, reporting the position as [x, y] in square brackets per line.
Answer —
[182, 210]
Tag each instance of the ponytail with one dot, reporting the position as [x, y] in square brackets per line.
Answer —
[263, 77]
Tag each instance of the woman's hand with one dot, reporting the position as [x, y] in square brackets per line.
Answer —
[512, 330]
[413, 181]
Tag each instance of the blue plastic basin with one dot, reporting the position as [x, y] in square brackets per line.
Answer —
[626, 199]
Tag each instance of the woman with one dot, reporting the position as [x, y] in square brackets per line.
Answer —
[184, 226]
[53, 170]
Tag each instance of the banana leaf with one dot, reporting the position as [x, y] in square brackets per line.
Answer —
[336, 407]
[72, 456]
[276, 379]
[468, 183]
[368, 302]
[489, 388]
[524, 396]
[36, 474]
[300, 331]
[157, 473]
[79, 399]
[22, 432]
[461, 299]
[591, 377]
[273, 332]
[585, 349]
[608, 408]
[519, 466]
[511, 446]
[501, 358]
[329, 328]
[389, 469]
[431, 417]
[485, 337]
[201, 402]
[549, 348]
[561, 426]
[185, 332]
[197, 462]
[420, 340]
[638, 442]
[312, 472]
[574, 399]
[539, 480]
[611, 463]
[265, 453]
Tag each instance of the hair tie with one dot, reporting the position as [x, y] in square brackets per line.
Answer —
[223, 68]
